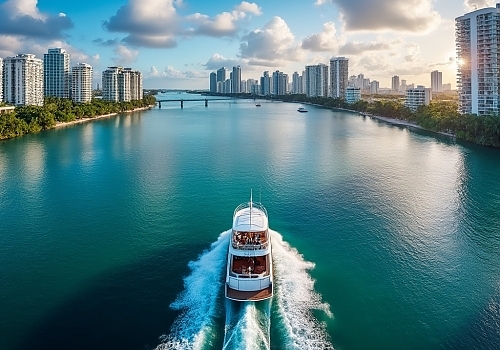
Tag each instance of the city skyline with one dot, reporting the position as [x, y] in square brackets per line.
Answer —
[178, 43]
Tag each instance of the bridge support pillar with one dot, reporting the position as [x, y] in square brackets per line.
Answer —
[159, 105]
[182, 103]
[206, 102]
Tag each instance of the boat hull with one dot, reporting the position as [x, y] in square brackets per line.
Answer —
[258, 295]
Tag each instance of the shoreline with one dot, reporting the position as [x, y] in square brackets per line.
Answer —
[87, 119]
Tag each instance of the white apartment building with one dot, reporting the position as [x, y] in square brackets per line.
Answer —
[478, 78]
[352, 94]
[280, 83]
[121, 84]
[374, 86]
[436, 81]
[395, 83]
[236, 79]
[23, 80]
[317, 80]
[296, 84]
[81, 83]
[339, 75]
[56, 73]
[417, 97]
[1, 80]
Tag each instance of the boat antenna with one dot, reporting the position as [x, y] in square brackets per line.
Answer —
[251, 194]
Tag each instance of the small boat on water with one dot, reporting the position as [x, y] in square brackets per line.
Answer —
[302, 109]
[249, 261]
[257, 105]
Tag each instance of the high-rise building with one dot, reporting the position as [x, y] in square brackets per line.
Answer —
[265, 84]
[417, 97]
[1, 79]
[296, 83]
[436, 81]
[374, 86]
[403, 86]
[81, 83]
[23, 80]
[317, 80]
[478, 77]
[56, 73]
[352, 94]
[236, 79]
[395, 83]
[213, 82]
[121, 84]
[280, 82]
[339, 75]
[221, 74]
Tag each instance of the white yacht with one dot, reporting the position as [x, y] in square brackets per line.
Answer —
[302, 109]
[249, 261]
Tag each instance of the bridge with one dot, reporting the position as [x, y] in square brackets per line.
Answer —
[192, 100]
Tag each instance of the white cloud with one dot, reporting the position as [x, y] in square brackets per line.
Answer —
[23, 18]
[125, 55]
[271, 46]
[326, 40]
[249, 8]
[415, 16]
[217, 61]
[478, 4]
[172, 73]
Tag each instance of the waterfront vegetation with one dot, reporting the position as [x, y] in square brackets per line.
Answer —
[32, 119]
[439, 116]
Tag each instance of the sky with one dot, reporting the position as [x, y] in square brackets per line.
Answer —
[178, 43]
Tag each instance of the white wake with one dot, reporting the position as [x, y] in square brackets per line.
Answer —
[194, 328]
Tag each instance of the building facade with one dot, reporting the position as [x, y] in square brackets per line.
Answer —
[23, 80]
[417, 97]
[436, 81]
[339, 76]
[477, 38]
[236, 79]
[395, 83]
[265, 84]
[213, 82]
[121, 84]
[221, 74]
[1, 79]
[280, 83]
[317, 80]
[352, 94]
[56, 73]
[374, 86]
[81, 83]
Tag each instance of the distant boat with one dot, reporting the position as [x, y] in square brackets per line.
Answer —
[257, 105]
[302, 109]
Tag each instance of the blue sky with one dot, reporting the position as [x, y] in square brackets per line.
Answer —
[177, 43]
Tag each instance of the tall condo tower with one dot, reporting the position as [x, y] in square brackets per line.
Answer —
[436, 81]
[23, 80]
[478, 77]
[317, 80]
[236, 79]
[1, 80]
[339, 76]
[221, 74]
[56, 73]
[121, 84]
[213, 82]
[395, 83]
[81, 83]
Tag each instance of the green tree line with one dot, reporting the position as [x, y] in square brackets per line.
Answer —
[31, 119]
[438, 116]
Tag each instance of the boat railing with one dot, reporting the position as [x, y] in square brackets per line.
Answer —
[247, 205]
[245, 246]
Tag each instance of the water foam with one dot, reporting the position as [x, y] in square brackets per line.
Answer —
[247, 326]
[198, 303]
[296, 298]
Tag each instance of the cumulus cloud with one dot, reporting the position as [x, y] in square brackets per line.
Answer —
[478, 4]
[225, 23]
[22, 17]
[171, 72]
[327, 40]
[149, 23]
[356, 48]
[125, 55]
[270, 46]
[400, 15]
[217, 61]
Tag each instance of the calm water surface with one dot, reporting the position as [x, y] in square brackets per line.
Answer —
[113, 233]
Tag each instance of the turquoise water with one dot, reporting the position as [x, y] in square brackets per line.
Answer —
[113, 233]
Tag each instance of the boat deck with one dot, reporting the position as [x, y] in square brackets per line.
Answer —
[249, 296]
